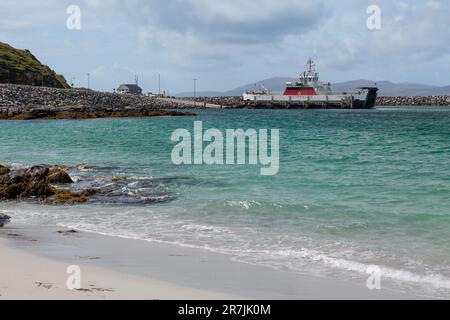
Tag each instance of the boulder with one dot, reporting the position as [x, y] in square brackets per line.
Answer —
[37, 183]
[4, 179]
[58, 176]
[38, 189]
[27, 183]
[4, 219]
[37, 173]
[17, 179]
[4, 170]
[13, 187]
[4, 216]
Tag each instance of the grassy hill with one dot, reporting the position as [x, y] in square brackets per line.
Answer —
[22, 67]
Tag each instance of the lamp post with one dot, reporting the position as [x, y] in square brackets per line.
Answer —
[159, 84]
[195, 91]
[89, 80]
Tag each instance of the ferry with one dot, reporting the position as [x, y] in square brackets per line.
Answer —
[308, 92]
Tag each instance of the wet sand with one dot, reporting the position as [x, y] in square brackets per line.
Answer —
[35, 261]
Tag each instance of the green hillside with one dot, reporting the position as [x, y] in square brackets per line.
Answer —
[21, 67]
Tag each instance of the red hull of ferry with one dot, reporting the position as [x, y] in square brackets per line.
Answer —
[297, 92]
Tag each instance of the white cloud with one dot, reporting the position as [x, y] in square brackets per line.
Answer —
[231, 42]
[434, 4]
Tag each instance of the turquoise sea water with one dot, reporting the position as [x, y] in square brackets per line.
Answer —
[355, 188]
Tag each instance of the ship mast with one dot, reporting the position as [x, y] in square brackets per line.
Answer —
[311, 65]
[310, 77]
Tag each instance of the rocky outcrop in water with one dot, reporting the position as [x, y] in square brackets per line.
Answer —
[49, 184]
[58, 176]
[27, 102]
[38, 183]
[4, 219]
[4, 170]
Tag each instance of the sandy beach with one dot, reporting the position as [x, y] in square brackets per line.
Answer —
[31, 277]
[35, 262]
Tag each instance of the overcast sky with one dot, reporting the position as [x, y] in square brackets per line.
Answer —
[228, 43]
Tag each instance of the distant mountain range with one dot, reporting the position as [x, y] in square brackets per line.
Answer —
[387, 88]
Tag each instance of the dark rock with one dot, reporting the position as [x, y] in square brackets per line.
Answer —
[13, 187]
[4, 179]
[37, 172]
[4, 216]
[58, 176]
[36, 183]
[38, 189]
[4, 170]
[67, 232]
[69, 197]
[17, 179]
[4, 219]
[25, 184]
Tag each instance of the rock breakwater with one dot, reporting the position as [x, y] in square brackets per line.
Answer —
[414, 101]
[18, 102]
[233, 102]
[237, 102]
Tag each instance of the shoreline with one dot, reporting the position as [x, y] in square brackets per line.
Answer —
[21, 102]
[94, 115]
[31, 277]
[36, 259]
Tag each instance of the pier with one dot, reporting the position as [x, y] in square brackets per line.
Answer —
[300, 104]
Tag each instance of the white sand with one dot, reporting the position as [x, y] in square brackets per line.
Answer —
[27, 276]
[34, 261]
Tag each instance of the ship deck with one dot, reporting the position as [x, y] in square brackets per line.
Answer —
[344, 101]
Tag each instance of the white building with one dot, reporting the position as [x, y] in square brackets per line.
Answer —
[129, 89]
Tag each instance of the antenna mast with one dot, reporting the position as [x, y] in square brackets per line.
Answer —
[311, 65]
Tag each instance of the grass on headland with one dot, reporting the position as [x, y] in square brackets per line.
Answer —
[21, 61]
